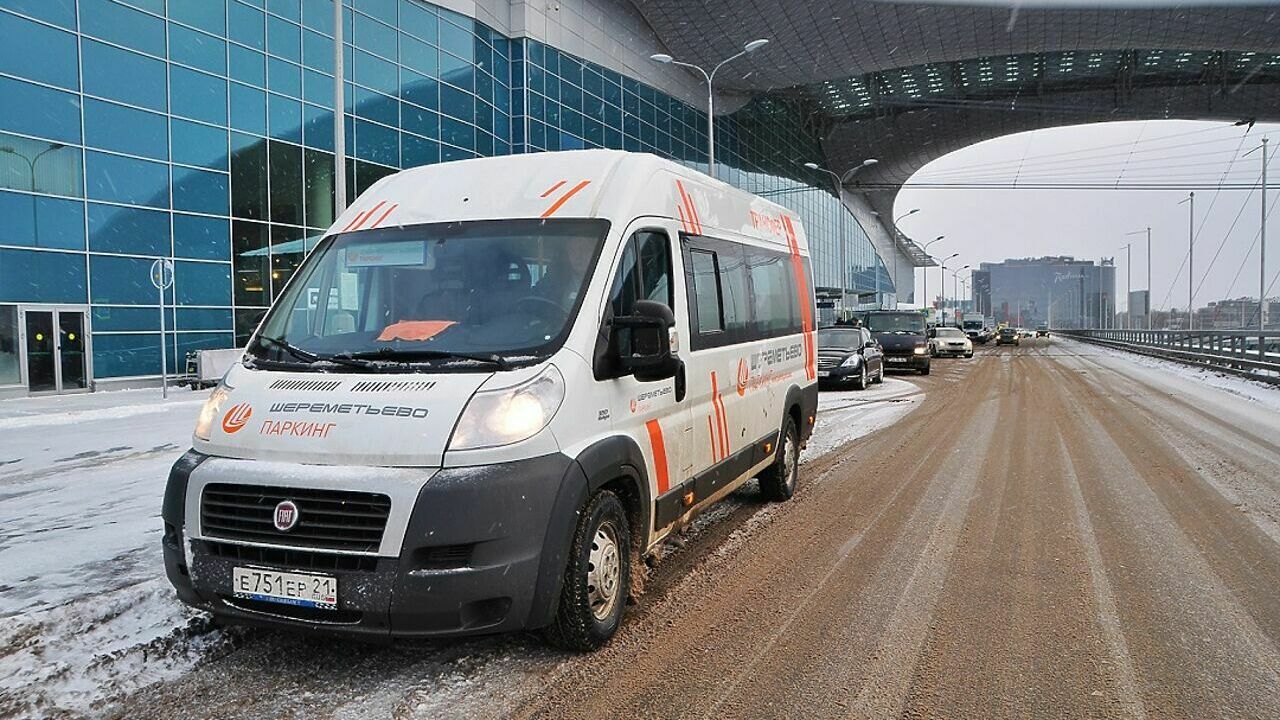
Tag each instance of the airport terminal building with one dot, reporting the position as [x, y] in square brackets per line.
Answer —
[1063, 291]
[202, 131]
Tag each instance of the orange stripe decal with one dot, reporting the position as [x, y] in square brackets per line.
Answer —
[684, 225]
[356, 219]
[718, 405]
[552, 189]
[711, 436]
[360, 219]
[565, 198]
[806, 312]
[384, 215]
[659, 455]
[690, 214]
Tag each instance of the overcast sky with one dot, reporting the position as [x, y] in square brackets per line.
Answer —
[989, 225]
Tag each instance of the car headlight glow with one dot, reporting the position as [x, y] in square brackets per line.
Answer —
[921, 349]
[209, 412]
[851, 361]
[508, 415]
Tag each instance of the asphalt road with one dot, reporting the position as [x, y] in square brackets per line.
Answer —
[1054, 533]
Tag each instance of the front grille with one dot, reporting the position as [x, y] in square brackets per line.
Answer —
[291, 559]
[327, 519]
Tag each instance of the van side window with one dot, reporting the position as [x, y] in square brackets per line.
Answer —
[644, 273]
[706, 289]
[773, 293]
[734, 298]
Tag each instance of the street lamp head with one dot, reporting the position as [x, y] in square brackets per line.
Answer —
[661, 57]
[869, 162]
[755, 45]
[811, 165]
[913, 211]
[939, 238]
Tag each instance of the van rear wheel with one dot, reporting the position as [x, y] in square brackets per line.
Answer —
[597, 578]
[778, 481]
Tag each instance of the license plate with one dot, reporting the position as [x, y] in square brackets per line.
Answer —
[898, 360]
[288, 588]
[824, 373]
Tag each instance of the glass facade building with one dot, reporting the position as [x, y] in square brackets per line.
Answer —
[202, 131]
[1065, 292]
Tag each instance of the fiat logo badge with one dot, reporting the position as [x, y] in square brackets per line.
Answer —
[286, 516]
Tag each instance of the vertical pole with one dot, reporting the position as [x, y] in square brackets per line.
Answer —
[339, 116]
[1148, 303]
[1262, 260]
[711, 130]
[164, 354]
[1128, 286]
[1191, 262]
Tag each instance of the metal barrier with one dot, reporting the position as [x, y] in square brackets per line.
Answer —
[1247, 353]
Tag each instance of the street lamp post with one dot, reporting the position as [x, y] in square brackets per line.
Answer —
[942, 282]
[711, 98]
[1191, 264]
[31, 164]
[840, 180]
[925, 250]
[1262, 259]
[893, 235]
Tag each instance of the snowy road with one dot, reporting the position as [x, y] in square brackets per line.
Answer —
[87, 618]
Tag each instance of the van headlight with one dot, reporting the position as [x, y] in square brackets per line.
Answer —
[921, 349]
[212, 407]
[508, 415]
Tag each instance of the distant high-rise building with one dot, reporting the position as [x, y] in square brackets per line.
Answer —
[1060, 290]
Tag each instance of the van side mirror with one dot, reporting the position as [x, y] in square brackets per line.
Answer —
[643, 340]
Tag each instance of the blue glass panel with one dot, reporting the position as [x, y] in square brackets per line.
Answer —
[122, 129]
[42, 222]
[122, 25]
[448, 154]
[457, 72]
[58, 12]
[201, 145]
[419, 56]
[318, 131]
[200, 237]
[284, 77]
[208, 15]
[415, 151]
[201, 191]
[285, 118]
[121, 179]
[26, 41]
[248, 26]
[456, 103]
[374, 37]
[317, 88]
[197, 49]
[199, 283]
[379, 108]
[131, 231]
[284, 39]
[126, 355]
[38, 276]
[248, 109]
[457, 133]
[457, 41]
[191, 341]
[418, 20]
[376, 143]
[248, 66]
[44, 112]
[384, 10]
[198, 96]
[317, 51]
[416, 120]
[318, 16]
[108, 319]
[155, 7]
[203, 319]
[376, 73]
[285, 8]
[122, 75]
[119, 280]
[420, 90]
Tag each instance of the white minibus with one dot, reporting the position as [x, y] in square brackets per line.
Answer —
[491, 387]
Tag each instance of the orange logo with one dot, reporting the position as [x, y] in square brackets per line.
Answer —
[236, 418]
[744, 376]
[633, 404]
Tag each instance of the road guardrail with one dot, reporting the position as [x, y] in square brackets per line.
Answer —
[1247, 353]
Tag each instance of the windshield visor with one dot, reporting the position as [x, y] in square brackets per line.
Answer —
[895, 322]
[435, 295]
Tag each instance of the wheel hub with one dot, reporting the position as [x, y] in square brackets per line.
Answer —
[604, 571]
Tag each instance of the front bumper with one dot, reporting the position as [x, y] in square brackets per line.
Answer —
[906, 362]
[839, 373]
[953, 351]
[481, 549]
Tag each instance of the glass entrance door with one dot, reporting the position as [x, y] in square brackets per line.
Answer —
[56, 357]
[42, 363]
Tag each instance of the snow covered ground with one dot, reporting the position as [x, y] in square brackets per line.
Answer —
[86, 615]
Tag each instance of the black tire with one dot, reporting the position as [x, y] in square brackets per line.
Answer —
[879, 376]
[778, 481]
[968, 355]
[924, 370]
[860, 382]
[581, 622]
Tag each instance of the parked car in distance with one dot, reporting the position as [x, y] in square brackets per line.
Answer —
[902, 339]
[1042, 330]
[949, 341]
[849, 354]
[1008, 336]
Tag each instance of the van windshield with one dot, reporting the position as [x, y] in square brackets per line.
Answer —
[895, 322]
[460, 296]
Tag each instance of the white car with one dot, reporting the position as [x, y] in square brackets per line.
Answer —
[950, 341]
[491, 389]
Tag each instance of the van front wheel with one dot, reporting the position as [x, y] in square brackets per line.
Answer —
[778, 481]
[597, 578]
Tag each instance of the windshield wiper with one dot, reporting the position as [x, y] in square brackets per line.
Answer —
[310, 357]
[392, 353]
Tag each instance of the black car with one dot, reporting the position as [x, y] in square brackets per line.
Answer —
[1008, 336]
[848, 354]
[901, 335]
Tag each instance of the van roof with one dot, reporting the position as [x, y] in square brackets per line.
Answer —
[609, 184]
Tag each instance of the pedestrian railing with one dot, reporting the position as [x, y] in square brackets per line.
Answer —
[1248, 353]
